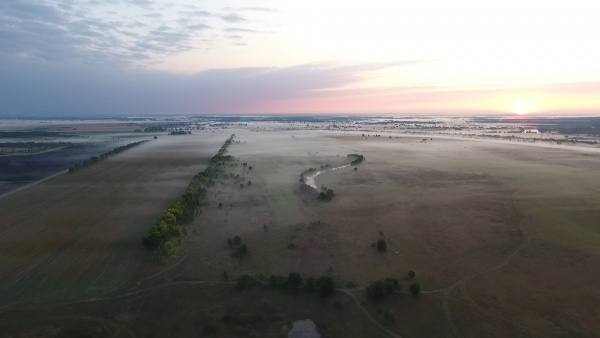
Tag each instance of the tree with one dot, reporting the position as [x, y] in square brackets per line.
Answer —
[237, 240]
[225, 276]
[240, 252]
[244, 282]
[381, 245]
[380, 288]
[376, 290]
[310, 284]
[294, 280]
[414, 288]
[326, 286]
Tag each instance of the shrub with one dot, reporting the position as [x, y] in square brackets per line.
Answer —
[237, 240]
[414, 288]
[326, 286]
[277, 281]
[310, 284]
[411, 274]
[376, 290]
[381, 245]
[294, 280]
[240, 252]
[245, 282]
[380, 288]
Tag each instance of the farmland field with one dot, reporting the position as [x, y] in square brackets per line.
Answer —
[502, 236]
[80, 235]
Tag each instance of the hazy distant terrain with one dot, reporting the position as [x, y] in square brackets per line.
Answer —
[496, 217]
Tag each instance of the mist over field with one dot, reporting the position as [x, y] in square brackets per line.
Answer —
[398, 225]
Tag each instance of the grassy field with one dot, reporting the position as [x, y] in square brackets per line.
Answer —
[80, 235]
[519, 220]
[446, 208]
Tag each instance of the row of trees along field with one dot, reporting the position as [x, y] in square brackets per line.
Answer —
[165, 236]
[95, 159]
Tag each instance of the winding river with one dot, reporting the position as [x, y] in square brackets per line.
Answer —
[310, 178]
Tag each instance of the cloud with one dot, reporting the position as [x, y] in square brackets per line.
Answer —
[199, 26]
[69, 90]
[233, 18]
[196, 13]
[240, 30]
[121, 33]
[252, 9]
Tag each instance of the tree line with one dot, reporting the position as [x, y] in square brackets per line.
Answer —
[95, 159]
[165, 236]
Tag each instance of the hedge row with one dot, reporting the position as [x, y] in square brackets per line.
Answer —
[95, 159]
[165, 236]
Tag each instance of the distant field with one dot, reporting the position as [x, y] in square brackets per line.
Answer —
[80, 235]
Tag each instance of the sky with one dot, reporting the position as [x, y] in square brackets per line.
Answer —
[148, 57]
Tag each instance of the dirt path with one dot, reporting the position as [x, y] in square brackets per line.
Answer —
[461, 282]
[367, 314]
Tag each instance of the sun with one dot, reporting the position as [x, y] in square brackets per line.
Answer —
[520, 106]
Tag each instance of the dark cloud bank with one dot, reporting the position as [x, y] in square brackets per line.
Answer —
[51, 89]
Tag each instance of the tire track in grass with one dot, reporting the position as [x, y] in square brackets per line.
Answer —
[448, 289]
[368, 315]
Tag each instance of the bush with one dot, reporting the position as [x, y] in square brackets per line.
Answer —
[326, 286]
[277, 281]
[411, 274]
[240, 252]
[310, 284]
[237, 240]
[376, 290]
[380, 288]
[326, 194]
[245, 282]
[414, 288]
[294, 280]
[381, 245]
